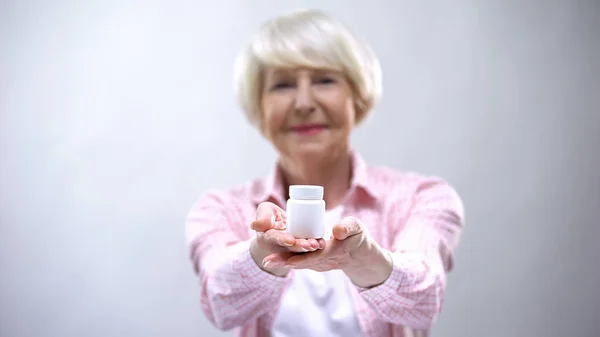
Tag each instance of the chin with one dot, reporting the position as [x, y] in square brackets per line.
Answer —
[314, 150]
[310, 149]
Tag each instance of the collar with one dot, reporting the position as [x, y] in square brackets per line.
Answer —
[271, 188]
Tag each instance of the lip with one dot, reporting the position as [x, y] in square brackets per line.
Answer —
[308, 129]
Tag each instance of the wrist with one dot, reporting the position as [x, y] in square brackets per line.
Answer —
[371, 265]
[258, 254]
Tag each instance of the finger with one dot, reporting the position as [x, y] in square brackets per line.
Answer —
[262, 225]
[269, 215]
[349, 226]
[302, 246]
[278, 238]
[313, 243]
[322, 243]
[283, 239]
[301, 260]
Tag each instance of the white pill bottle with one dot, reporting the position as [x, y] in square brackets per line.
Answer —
[306, 212]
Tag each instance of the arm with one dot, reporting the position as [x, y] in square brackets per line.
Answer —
[412, 292]
[234, 290]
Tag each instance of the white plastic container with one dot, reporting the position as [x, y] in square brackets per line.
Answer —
[306, 212]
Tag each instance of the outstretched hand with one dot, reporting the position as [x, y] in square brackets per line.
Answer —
[339, 252]
[350, 249]
[270, 225]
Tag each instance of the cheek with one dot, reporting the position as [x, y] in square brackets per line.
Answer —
[339, 106]
[344, 114]
[273, 118]
[274, 121]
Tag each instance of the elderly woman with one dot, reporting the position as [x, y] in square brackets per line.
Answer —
[305, 82]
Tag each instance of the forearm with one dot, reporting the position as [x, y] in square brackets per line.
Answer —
[234, 290]
[412, 295]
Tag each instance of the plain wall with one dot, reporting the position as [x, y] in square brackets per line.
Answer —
[116, 115]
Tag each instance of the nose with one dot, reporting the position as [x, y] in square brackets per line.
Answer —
[304, 100]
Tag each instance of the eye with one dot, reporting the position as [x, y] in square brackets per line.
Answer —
[325, 80]
[281, 85]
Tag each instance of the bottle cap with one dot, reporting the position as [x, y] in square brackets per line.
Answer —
[306, 192]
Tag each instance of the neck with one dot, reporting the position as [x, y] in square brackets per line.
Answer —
[333, 172]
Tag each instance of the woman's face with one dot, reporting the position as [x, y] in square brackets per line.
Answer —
[307, 111]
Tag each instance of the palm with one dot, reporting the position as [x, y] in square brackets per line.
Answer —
[337, 253]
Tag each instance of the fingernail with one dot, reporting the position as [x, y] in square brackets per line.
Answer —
[273, 219]
[287, 244]
[266, 264]
[279, 225]
[345, 231]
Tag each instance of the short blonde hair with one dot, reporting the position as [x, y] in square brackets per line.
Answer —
[312, 39]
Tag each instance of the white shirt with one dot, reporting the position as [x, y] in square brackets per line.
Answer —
[312, 306]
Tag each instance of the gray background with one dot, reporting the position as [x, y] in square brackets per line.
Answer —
[115, 115]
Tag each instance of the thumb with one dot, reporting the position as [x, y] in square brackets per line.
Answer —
[348, 227]
[276, 259]
[269, 216]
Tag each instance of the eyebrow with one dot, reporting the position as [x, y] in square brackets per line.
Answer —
[317, 71]
[280, 72]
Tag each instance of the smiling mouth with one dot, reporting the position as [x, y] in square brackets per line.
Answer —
[308, 129]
